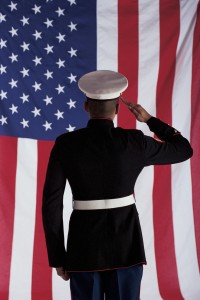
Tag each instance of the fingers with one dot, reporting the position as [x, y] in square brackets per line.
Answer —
[123, 100]
[65, 276]
[129, 104]
[139, 112]
[135, 108]
[62, 273]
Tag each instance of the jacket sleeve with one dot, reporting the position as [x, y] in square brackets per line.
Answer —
[52, 209]
[171, 148]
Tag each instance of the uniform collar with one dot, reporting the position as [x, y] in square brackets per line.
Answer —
[100, 123]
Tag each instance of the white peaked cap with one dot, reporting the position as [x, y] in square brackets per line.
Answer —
[103, 84]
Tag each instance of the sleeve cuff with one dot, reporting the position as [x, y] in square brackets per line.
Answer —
[161, 129]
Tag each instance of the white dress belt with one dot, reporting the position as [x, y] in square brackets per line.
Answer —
[104, 203]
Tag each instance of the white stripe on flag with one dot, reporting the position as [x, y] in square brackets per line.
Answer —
[148, 75]
[185, 247]
[60, 287]
[24, 220]
[107, 35]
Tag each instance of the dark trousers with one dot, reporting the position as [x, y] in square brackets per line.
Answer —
[121, 284]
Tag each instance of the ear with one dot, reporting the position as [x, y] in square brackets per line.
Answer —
[86, 106]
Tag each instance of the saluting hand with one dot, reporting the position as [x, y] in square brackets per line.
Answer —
[62, 273]
[140, 113]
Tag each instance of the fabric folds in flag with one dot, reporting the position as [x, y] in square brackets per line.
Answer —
[45, 47]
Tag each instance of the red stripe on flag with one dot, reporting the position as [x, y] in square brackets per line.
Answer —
[162, 200]
[42, 273]
[128, 56]
[8, 159]
[195, 126]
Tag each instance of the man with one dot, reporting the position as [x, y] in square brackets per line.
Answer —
[105, 253]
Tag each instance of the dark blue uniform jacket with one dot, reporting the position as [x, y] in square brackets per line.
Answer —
[102, 162]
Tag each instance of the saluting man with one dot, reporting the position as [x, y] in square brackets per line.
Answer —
[104, 255]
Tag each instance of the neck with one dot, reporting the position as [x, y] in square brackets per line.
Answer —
[106, 118]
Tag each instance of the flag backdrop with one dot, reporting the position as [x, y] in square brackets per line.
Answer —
[45, 46]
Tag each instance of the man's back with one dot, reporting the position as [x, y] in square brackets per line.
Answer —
[101, 161]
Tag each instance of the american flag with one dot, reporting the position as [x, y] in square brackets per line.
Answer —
[45, 46]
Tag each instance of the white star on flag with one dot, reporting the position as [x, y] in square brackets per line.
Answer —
[25, 20]
[47, 126]
[60, 89]
[61, 37]
[36, 112]
[60, 12]
[72, 52]
[36, 9]
[60, 63]
[72, 2]
[25, 46]
[13, 6]
[72, 26]
[37, 35]
[13, 57]
[2, 18]
[59, 114]
[13, 108]
[48, 100]
[24, 123]
[25, 72]
[48, 74]
[36, 86]
[71, 103]
[72, 78]
[13, 83]
[13, 32]
[49, 49]
[37, 60]
[24, 98]
[70, 128]
[3, 69]
[3, 120]
[3, 43]
[3, 95]
[49, 23]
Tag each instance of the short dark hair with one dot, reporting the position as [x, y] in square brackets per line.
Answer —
[102, 108]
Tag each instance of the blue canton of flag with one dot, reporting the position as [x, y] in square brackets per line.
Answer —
[44, 49]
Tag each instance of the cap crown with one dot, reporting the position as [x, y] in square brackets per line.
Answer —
[103, 84]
